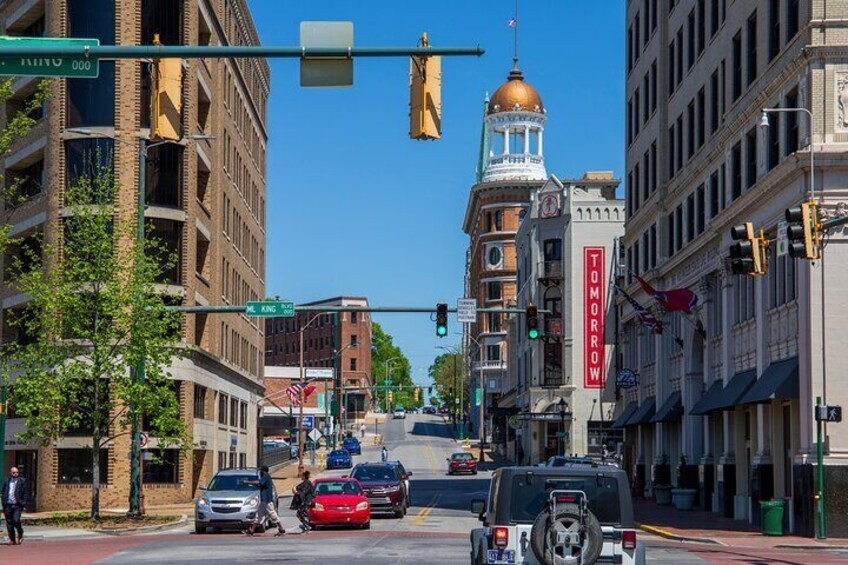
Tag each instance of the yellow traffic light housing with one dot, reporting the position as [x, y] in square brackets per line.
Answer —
[804, 231]
[748, 256]
[167, 98]
[425, 95]
[391, 396]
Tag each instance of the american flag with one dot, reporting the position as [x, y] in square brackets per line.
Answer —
[295, 389]
[646, 318]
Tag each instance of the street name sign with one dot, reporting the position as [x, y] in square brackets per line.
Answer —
[319, 374]
[71, 66]
[466, 310]
[270, 309]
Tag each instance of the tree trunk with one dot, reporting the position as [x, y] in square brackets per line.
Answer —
[95, 479]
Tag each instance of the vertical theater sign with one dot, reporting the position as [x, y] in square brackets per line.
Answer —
[593, 317]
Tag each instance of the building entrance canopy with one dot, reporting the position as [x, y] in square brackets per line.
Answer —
[778, 382]
[621, 421]
[645, 412]
[671, 410]
[735, 390]
[708, 401]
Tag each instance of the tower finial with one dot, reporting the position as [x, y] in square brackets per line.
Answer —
[515, 39]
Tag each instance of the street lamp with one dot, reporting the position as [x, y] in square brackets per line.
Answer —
[135, 508]
[341, 380]
[482, 408]
[300, 442]
[820, 400]
[386, 380]
[458, 412]
[562, 407]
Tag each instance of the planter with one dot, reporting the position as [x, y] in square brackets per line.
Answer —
[662, 494]
[684, 498]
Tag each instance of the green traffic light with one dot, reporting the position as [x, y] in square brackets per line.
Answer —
[441, 331]
[533, 334]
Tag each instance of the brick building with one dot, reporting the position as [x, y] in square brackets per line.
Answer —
[341, 341]
[206, 200]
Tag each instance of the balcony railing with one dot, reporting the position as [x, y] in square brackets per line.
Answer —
[489, 365]
[550, 269]
[552, 377]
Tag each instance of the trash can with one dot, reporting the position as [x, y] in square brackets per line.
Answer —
[772, 514]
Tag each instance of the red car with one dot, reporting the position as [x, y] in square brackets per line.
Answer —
[462, 463]
[340, 502]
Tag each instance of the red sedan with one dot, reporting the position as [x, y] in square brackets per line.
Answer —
[462, 463]
[340, 502]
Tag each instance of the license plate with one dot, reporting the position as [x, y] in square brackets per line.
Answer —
[499, 556]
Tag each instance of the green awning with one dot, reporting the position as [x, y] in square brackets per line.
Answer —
[625, 414]
[644, 414]
[708, 400]
[778, 382]
[671, 410]
[735, 390]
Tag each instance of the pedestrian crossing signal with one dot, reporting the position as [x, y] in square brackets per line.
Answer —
[828, 413]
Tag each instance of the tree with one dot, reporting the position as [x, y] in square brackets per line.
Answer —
[94, 313]
[399, 370]
[447, 376]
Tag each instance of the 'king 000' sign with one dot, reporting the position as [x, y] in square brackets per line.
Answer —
[593, 317]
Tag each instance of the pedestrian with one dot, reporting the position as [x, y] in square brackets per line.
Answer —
[267, 502]
[384, 454]
[14, 495]
[303, 500]
[362, 431]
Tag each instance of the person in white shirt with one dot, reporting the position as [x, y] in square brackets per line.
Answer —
[13, 497]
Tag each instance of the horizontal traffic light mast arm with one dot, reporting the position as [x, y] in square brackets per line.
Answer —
[834, 223]
[228, 52]
[241, 309]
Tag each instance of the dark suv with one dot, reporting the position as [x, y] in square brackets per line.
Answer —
[384, 487]
[577, 514]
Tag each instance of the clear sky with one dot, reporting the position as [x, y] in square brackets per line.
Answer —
[357, 208]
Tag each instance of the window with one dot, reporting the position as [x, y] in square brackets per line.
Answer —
[30, 180]
[353, 363]
[702, 25]
[353, 316]
[736, 172]
[679, 130]
[792, 18]
[553, 375]
[653, 14]
[494, 256]
[700, 210]
[91, 101]
[690, 132]
[637, 258]
[714, 198]
[671, 82]
[773, 141]
[494, 322]
[493, 352]
[75, 467]
[737, 65]
[653, 245]
[699, 133]
[494, 290]
[242, 457]
[744, 286]
[200, 401]
[713, 17]
[653, 86]
[353, 340]
[84, 157]
[234, 410]
[670, 235]
[690, 218]
[243, 416]
[751, 158]
[714, 94]
[160, 466]
[678, 222]
[629, 124]
[671, 136]
[163, 17]
[636, 101]
[782, 278]
[636, 192]
[653, 167]
[791, 142]
[774, 29]
[169, 235]
[163, 183]
[646, 99]
[690, 21]
[752, 48]
[498, 220]
[679, 77]
[222, 409]
[629, 48]
[637, 24]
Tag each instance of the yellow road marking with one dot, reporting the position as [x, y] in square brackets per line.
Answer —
[421, 517]
[431, 457]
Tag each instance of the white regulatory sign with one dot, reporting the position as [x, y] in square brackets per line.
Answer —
[782, 239]
[315, 435]
[466, 310]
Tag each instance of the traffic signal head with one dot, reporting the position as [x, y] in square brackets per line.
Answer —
[531, 315]
[425, 96]
[748, 253]
[415, 394]
[166, 103]
[429, 390]
[441, 319]
[391, 396]
[804, 231]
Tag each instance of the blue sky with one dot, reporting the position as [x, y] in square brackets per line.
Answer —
[357, 208]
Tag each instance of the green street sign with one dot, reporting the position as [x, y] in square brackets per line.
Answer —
[76, 66]
[270, 309]
[388, 382]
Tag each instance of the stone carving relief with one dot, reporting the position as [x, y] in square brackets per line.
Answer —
[841, 100]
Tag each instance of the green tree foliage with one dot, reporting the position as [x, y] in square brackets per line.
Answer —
[399, 370]
[448, 378]
[94, 313]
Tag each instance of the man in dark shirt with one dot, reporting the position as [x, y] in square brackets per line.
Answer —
[14, 495]
[267, 503]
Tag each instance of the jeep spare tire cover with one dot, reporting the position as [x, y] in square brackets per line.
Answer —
[543, 536]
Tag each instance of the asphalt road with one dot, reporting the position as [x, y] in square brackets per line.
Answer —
[434, 531]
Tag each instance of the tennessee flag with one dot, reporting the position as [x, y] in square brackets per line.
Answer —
[674, 300]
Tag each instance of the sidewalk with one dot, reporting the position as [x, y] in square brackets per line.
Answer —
[696, 526]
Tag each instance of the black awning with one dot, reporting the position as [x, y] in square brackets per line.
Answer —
[625, 414]
[671, 410]
[778, 382]
[504, 411]
[735, 390]
[708, 400]
[645, 412]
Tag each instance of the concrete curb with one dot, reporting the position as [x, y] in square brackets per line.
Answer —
[182, 521]
[676, 537]
[813, 547]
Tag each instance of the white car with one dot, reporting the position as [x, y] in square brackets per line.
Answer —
[399, 413]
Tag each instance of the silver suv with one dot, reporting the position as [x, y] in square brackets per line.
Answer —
[230, 501]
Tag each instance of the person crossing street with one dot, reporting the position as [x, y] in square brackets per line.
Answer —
[13, 497]
[268, 504]
[303, 500]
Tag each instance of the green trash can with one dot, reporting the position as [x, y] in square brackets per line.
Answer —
[772, 513]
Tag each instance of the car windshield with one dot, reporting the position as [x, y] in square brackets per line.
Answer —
[351, 440]
[338, 487]
[233, 482]
[530, 499]
[374, 473]
[339, 453]
[462, 457]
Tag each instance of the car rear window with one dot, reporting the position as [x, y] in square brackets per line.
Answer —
[463, 456]
[339, 452]
[528, 500]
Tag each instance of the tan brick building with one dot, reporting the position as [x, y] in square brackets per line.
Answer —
[206, 200]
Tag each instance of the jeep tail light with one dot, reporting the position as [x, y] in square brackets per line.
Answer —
[628, 539]
[565, 499]
[502, 537]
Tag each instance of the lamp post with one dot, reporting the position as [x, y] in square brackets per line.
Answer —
[458, 402]
[821, 525]
[300, 442]
[135, 508]
[343, 406]
[385, 380]
[562, 407]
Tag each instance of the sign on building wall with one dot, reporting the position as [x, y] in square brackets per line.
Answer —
[593, 317]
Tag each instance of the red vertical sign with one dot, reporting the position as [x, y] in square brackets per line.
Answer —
[594, 312]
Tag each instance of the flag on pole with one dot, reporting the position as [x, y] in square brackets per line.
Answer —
[513, 22]
[674, 300]
[294, 393]
[646, 318]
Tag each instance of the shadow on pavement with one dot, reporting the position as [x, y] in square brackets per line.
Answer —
[650, 513]
[434, 428]
[450, 493]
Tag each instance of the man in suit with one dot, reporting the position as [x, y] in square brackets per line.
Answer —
[14, 495]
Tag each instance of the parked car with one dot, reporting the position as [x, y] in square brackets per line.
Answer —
[352, 445]
[383, 486]
[429, 410]
[340, 502]
[339, 459]
[404, 476]
[570, 515]
[399, 414]
[462, 462]
[230, 502]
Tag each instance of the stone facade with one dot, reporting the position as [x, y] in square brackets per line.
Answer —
[208, 194]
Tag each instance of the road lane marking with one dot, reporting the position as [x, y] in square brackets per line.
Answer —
[431, 457]
[421, 517]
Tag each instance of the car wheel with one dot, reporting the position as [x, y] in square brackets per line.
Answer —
[473, 472]
[366, 526]
[260, 527]
[400, 513]
[199, 529]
